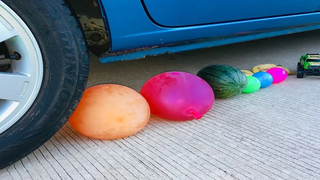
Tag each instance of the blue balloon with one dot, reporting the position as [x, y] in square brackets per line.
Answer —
[265, 78]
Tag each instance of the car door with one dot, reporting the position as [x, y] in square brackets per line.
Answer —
[177, 13]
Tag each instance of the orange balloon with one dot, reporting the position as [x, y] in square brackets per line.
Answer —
[110, 111]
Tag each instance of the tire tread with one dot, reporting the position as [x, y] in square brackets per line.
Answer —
[40, 134]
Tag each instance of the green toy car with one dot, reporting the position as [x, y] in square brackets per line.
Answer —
[309, 64]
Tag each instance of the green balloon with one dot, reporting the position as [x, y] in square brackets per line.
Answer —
[253, 84]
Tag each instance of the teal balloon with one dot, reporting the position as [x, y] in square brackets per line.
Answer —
[253, 84]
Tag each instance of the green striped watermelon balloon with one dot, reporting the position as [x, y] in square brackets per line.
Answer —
[226, 81]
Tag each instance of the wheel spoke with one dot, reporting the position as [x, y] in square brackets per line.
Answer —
[21, 81]
[13, 86]
[6, 32]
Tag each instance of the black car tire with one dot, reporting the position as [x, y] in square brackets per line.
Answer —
[65, 71]
[300, 70]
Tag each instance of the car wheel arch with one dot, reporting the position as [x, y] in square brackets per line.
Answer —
[90, 16]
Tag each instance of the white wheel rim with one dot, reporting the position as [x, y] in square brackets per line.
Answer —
[19, 87]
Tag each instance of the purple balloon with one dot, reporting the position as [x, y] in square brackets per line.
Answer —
[178, 96]
[278, 74]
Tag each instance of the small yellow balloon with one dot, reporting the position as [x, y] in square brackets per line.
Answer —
[110, 111]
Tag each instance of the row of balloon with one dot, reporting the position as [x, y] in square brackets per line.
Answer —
[264, 79]
[111, 111]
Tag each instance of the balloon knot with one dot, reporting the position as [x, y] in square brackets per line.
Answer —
[195, 114]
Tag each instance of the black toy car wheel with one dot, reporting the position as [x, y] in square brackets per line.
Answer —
[300, 70]
[43, 73]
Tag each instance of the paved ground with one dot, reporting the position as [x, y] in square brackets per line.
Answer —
[270, 134]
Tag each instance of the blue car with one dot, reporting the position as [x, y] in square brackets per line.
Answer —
[44, 47]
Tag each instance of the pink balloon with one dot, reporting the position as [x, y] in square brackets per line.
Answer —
[278, 74]
[178, 96]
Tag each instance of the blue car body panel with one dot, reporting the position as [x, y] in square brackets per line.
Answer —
[202, 44]
[175, 13]
[131, 29]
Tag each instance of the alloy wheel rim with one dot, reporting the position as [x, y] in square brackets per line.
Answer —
[20, 84]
